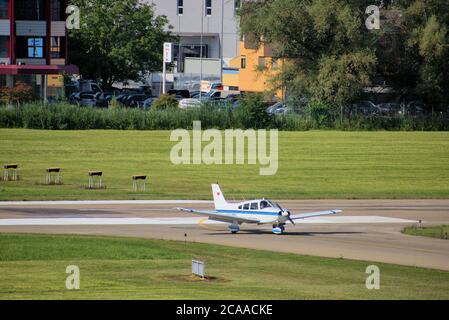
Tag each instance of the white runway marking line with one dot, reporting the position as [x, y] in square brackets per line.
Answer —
[183, 221]
[100, 202]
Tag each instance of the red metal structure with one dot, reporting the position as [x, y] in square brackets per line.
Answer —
[33, 40]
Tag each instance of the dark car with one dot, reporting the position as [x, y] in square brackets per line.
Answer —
[184, 94]
[365, 108]
[87, 99]
[134, 100]
[416, 108]
[389, 108]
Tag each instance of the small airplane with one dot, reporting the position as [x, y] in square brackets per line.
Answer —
[261, 211]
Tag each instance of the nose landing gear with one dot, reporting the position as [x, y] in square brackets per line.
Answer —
[278, 229]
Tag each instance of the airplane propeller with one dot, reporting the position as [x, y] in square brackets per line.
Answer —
[288, 212]
[290, 218]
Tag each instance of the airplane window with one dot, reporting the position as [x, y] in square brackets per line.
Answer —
[246, 206]
[254, 206]
[264, 204]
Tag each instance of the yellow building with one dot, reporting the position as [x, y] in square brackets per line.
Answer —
[255, 67]
[231, 75]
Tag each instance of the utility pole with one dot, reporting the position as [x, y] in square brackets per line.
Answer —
[203, 12]
[222, 41]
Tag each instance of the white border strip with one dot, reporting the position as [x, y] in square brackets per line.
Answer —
[181, 221]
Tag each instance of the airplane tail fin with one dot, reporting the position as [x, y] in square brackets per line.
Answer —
[219, 199]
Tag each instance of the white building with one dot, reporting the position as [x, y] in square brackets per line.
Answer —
[207, 27]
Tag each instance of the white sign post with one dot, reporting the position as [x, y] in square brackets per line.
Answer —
[199, 268]
[168, 58]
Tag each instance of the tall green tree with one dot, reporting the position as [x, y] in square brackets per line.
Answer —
[118, 40]
[427, 23]
[325, 44]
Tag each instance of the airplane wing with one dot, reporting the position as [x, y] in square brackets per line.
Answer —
[214, 215]
[314, 214]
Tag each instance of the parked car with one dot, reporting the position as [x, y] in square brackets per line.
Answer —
[279, 108]
[415, 108]
[365, 108]
[82, 86]
[134, 100]
[389, 108]
[190, 103]
[147, 103]
[184, 94]
[87, 99]
[211, 96]
[196, 94]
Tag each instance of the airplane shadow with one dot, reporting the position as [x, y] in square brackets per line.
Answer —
[287, 233]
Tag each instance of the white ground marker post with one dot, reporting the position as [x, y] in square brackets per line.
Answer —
[168, 58]
[136, 180]
[199, 268]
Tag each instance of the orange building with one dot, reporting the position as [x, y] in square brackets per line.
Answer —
[255, 67]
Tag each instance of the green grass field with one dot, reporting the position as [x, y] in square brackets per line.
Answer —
[33, 267]
[439, 232]
[316, 164]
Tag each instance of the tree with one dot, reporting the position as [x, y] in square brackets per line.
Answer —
[427, 25]
[326, 47]
[118, 40]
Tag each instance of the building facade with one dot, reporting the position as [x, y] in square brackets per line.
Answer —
[206, 28]
[33, 44]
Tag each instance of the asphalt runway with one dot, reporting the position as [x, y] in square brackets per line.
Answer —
[367, 230]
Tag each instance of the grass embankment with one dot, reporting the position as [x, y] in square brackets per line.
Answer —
[439, 232]
[315, 164]
[34, 266]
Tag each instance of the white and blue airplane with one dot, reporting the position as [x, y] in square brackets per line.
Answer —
[261, 211]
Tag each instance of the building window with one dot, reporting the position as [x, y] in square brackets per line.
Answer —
[237, 5]
[4, 43]
[208, 8]
[55, 47]
[35, 47]
[243, 62]
[261, 62]
[4, 11]
[30, 10]
[180, 7]
[56, 13]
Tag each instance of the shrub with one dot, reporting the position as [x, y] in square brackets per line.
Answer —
[69, 117]
[253, 112]
[21, 92]
[165, 101]
[321, 115]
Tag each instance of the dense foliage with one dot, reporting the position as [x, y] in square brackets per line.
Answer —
[249, 115]
[117, 40]
[330, 55]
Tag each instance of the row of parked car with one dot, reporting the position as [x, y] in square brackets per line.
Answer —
[142, 97]
[144, 100]
[366, 108]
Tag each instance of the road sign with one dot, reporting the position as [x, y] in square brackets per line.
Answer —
[168, 52]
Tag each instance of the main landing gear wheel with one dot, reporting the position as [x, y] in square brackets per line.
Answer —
[234, 228]
[278, 229]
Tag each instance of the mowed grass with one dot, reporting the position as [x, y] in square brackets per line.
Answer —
[34, 267]
[439, 232]
[316, 164]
